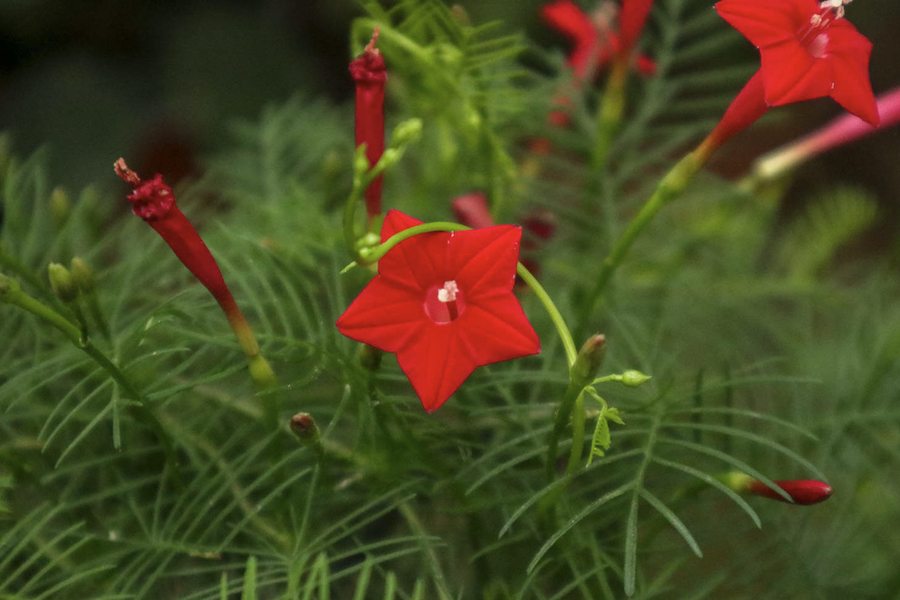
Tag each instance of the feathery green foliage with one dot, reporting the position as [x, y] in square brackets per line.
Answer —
[780, 369]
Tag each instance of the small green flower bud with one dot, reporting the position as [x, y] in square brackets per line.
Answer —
[370, 357]
[360, 162]
[589, 360]
[62, 282]
[406, 132]
[333, 166]
[60, 207]
[391, 156]
[8, 288]
[634, 378]
[305, 429]
[83, 276]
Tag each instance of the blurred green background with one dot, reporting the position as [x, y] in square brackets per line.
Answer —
[159, 82]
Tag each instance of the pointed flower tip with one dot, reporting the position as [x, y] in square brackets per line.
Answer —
[151, 199]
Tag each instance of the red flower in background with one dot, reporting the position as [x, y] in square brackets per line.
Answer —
[539, 225]
[595, 40]
[808, 50]
[443, 303]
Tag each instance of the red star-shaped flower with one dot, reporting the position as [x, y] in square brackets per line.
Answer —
[808, 51]
[595, 39]
[443, 303]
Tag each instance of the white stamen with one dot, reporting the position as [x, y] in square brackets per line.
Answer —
[836, 5]
[448, 292]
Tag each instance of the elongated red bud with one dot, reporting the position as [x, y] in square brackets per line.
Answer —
[370, 74]
[153, 201]
[802, 491]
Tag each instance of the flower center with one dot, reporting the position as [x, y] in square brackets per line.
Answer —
[813, 35]
[444, 303]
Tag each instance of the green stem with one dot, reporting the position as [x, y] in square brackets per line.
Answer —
[372, 255]
[93, 306]
[79, 316]
[561, 328]
[609, 115]
[578, 420]
[14, 265]
[671, 186]
[573, 392]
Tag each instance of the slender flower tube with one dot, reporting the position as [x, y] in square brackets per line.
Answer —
[842, 130]
[153, 201]
[369, 73]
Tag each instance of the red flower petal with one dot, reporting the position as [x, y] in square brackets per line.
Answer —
[384, 315]
[483, 261]
[500, 330]
[472, 210]
[436, 363]
[632, 18]
[848, 53]
[791, 74]
[417, 261]
[766, 22]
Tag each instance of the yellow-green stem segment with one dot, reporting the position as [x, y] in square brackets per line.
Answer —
[671, 187]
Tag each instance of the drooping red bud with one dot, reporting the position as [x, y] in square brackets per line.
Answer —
[153, 201]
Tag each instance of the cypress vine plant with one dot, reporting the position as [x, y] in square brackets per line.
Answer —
[605, 369]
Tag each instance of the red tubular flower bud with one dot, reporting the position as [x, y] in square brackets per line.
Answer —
[153, 201]
[802, 491]
[370, 75]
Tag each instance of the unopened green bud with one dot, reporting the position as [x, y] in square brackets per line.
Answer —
[460, 15]
[333, 165]
[360, 162]
[62, 282]
[589, 359]
[60, 207]
[83, 276]
[406, 132]
[8, 288]
[633, 378]
[370, 357]
[391, 156]
[305, 429]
